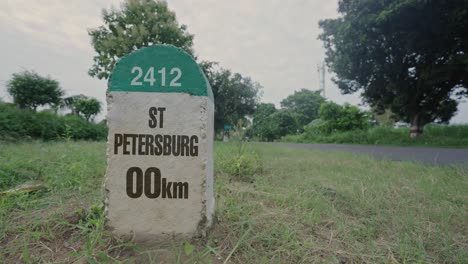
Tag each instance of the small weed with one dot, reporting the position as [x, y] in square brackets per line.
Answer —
[241, 162]
[242, 166]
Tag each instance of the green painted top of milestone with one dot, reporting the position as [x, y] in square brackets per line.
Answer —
[159, 69]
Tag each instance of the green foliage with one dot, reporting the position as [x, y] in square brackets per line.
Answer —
[298, 110]
[270, 124]
[276, 125]
[82, 129]
[384, 118]
[244, 166]
[30, 90]
[263, 126]
[317, 127]
[83, 106]
[17, 124]
[284, 122]
[408, 56]
[139, 23]
[305, 103]
[434, 135]
[243, 163]
[341, 118]
[235, 96]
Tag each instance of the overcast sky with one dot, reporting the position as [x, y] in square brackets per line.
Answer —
[274, 42]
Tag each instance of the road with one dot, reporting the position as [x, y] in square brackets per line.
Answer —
[432, 156]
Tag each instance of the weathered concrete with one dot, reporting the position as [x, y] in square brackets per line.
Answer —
[159, 179]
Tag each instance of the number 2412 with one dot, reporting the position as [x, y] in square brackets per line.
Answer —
[149, 76]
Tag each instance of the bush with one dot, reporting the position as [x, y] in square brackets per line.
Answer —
[342, 118]
[434, 135]
[276, 125]
[317, 127]
[78, 128]
[16, 124]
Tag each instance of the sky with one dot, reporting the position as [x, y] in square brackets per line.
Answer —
[274, 42]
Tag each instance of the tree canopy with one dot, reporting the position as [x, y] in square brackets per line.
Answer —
[235, 96]
[30, 90]
[270, 123]
[284, 122]
[262, 125]
[138, 24]
[81, 105]
[305, 103]
[408, 56]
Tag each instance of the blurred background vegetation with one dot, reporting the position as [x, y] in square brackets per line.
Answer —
[396, 106]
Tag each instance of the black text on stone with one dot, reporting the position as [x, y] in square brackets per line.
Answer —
[153, 185]
[153, 111]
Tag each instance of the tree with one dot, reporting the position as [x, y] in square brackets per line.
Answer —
[330, 111]
[298, 110]
[83, 106]
[270, 124]
[305, 103]
[408, 56]
[341, 118]
[30, 90]
[138, 24]
[263, 126]
[235, 96]
[285, 123]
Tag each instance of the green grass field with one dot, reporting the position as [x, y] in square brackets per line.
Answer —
[291, 206]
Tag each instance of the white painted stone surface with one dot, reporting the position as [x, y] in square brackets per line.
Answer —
[159, 220]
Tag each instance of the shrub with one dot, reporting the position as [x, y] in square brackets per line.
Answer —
[434, 135]
[82, 129]
[342, 118]
[16, 124]
[317, 127]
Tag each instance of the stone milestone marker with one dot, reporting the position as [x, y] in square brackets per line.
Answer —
[159, 178]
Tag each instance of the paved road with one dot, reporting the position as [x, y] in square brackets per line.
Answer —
[433, 156]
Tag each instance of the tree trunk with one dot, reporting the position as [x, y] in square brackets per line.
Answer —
[417, 126]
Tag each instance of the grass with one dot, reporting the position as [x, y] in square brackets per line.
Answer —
[303, 206]
[433, 136]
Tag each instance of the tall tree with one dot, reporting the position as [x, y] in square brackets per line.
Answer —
[305, 103]
[408, 56]
[138, 24]
[30, 90]
[235, 96]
